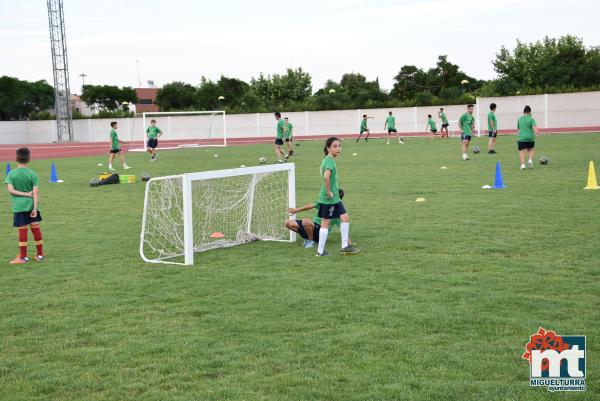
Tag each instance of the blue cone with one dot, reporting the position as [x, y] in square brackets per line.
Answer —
[498, 183]
[53, 175]
[7, 168]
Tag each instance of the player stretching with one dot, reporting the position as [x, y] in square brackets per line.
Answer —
[22, 184]
[445, 124]
[288, 136]
[331, 206]
[466, 124]
[492, 128]
[364, 128]
[390, 124]
[279, 137]
[526, 137]
[308, 229]
[153, 133]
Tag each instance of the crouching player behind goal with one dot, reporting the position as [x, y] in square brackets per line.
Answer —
[307, 228]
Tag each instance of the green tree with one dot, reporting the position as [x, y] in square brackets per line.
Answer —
[22, 99]
[176, 96]
[108, 97]
[277, 91]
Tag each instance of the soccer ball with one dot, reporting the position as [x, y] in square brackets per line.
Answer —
[94, 182]
[145, 176]
[544, 160]
[262, 160]
[476, 149]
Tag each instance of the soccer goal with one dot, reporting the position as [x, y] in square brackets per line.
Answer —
[197, 212]
[187, 129]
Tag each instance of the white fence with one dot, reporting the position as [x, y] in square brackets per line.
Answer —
[566, 110]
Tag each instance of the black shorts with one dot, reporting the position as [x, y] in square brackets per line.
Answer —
[434, 130]
[361, 132]
[301, 231]
[525, 145]
[392, 130]
[278, 141]
[118, 150]
[21, 219]
[152, 143]
[288, 139]
[445, 125]
[331, 211]
[316, 232]
[492, 134]
[464, 137]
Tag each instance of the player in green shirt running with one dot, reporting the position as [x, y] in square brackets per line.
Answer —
[466, 124]
[114, 147]
[390, 124]
[308, 229]
[22, 185]
[492, 128]
[288, 136]
[153, 133]
[430, 127]
[331, 206]
[442, 116]
[526, 137]
[279, 137]
[364, 128]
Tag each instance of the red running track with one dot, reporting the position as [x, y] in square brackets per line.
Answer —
[76, 149]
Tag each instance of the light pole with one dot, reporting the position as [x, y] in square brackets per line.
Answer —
[82, 75]
[220, 98]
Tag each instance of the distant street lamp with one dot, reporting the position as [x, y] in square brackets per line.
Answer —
[463, 83]
[82, 75]
[220, 98]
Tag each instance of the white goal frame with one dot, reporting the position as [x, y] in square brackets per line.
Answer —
[169, 114]
[188, 224]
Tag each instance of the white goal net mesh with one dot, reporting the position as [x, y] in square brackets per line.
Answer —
[225, 211]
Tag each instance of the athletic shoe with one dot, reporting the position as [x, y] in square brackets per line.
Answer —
[491, 151]
[530, 163]
[401, 142]
[18, 261]
[388, 142]
[349, 250]
[309, 243]
[111, 168]
[522, 167]
[286, 157]
[126, 167]
[325, 253]
[279, 161]
[466, 158]
[40, 258]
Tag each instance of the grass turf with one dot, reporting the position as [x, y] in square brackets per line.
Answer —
[438, 305]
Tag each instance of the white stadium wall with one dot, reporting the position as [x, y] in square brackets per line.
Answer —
[556, 111]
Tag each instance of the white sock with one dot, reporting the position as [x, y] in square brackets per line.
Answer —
[530, 161]
[345, 230]
[109, 166]
[322, 239]
[465, 155]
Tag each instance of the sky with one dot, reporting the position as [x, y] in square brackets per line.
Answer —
[183, 40]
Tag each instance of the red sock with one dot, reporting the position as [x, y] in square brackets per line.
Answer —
[23, 242]
[37, 236]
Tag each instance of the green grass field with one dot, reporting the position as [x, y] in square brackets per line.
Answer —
[437, 306]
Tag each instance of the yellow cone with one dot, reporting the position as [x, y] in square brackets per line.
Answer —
[592, 182]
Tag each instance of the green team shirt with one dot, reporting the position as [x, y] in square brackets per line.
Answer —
[363, 125]
[431, 124]
[153, 132]
[288, 132]
[280, 126]
[114, 139]
[444, 118]
[525, 126]
[317, 219]
[391, 122]
[492, 119]
[465, 122]
[328, 163]
[22, 179]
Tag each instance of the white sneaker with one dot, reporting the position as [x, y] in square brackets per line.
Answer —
[522, 167]
[111, 168]
[530, 163]
[126, 167]
[388, 142]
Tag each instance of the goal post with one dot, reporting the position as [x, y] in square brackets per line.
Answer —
[196, 212]
[185, 129]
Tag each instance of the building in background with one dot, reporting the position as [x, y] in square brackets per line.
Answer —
[147, 99]
[78, 105]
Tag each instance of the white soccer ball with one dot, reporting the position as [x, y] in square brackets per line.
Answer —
[262, 160]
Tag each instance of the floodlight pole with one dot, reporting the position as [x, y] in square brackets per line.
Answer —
[60, 69]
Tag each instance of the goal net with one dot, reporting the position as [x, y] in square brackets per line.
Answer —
[185, 129]
[196, 212]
